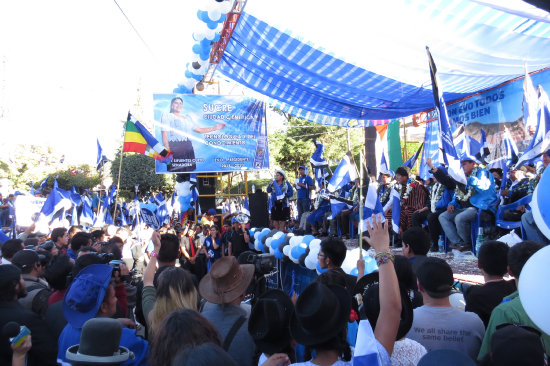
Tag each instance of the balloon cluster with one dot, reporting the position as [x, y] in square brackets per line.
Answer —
[304, 250]
[212, 15]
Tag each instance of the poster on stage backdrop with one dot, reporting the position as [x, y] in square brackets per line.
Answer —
[26, 207]
[211, 133]
[495, 109]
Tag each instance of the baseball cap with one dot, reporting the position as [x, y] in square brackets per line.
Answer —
[26, 258]
[212, 211]
[436, 276]
[301, 167]
[86, 294]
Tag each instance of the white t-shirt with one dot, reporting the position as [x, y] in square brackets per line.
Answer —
[383, 358]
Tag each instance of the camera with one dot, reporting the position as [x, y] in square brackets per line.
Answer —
[263, 263]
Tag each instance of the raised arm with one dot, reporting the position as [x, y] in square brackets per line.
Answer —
[390, 298]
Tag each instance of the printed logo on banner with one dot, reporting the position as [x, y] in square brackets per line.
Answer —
[150, 218]
[211, 133]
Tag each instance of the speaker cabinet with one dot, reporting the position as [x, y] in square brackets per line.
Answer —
[257, 203]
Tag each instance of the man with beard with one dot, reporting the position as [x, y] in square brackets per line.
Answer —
[12, 288]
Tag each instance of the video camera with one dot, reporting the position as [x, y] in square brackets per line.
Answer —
[263, 263]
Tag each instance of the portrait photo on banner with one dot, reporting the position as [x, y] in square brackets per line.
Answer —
[211, 133]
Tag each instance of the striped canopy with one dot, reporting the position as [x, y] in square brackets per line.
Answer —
[475, 46]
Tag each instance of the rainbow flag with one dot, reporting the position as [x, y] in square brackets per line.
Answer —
[138, 139]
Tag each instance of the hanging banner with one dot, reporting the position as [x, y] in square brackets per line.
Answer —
[26, 208]
[211, 133]
[495, 109]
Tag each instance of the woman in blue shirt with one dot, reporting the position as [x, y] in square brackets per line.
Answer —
[213, 246]
[281, 191]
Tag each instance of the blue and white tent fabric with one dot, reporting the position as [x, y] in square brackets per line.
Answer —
[307, 81]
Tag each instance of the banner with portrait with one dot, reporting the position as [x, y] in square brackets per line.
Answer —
[211, 133]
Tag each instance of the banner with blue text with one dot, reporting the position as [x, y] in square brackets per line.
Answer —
[211, 133]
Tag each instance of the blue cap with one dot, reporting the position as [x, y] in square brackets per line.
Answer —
[234, 220]
[86, 294]
[541, 197]
[301, 167]
[212, 211]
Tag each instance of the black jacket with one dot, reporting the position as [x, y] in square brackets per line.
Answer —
[44, 345]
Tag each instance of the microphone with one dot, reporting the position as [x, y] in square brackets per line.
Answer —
[16, 333]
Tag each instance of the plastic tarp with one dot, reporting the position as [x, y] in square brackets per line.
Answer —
[475, 46]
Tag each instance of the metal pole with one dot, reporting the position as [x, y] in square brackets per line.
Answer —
[360, 206]
[117, 186]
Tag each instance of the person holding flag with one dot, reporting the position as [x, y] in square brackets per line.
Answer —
[281, 191]
[527, 220]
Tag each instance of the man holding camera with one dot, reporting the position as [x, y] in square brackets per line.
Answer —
[32, 267]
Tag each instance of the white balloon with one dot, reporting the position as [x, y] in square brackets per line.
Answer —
[286, 250]
[226, 6]
[534, 288]
[268, 243]
[277, 235]
[265, 230]
[295, 240]
[315, 243]
[214, 14]
[310, 263]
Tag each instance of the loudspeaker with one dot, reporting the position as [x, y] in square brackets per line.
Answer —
[206, 186]
[259, 215]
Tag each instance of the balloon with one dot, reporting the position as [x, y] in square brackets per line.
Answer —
[534, 288]
[354, 272]
[370, 265]
[286, 250]
[225, 6]
[315, 243]
[296, 252]
[278, 254]
[215, 15]
[311, 263]
[319, 269]
[307, 239]
[295, 240]
[197, 48]
[212, 25]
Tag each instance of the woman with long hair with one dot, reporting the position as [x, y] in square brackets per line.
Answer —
[179, 330]
[177, 129]
[281, 191]
[175, 289]
[213, 246]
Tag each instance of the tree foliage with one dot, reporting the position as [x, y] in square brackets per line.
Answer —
[139, 169]
[293, 147]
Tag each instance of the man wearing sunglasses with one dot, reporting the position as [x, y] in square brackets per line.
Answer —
[511, 310]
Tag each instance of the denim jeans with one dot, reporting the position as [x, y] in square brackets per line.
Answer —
[304, 205]
[531, 230]
[456, 225]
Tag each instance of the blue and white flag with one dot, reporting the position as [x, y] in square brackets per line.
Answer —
[3, 237]
[43, 184]
[74, 216]
[530, 103]
[395, 199]
[366, 350]
[99, 219]
[541, 140]
[345, 172]
[161, 212]
[99, 153]
[450, 156]
[430, 150]
[55, 203]
[483, 152]
[371, 207]
[319, 163]
[246, 208]
[337, 206]
[412, 161]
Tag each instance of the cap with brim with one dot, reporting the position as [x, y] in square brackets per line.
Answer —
[226, 280]
[447, 357]
[321, 313]
[269, 321]
[513, 344]
[212, 211]
[26, 258]
[365, 282]
[282, 172]
[86, 294]
[301, 167]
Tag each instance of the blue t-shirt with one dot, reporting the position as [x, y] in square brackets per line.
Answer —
[304, 192]
[212, 253]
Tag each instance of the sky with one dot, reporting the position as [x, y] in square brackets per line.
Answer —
[71, 69]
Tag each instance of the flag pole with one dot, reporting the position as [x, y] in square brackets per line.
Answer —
[360, 205]
[119, 171]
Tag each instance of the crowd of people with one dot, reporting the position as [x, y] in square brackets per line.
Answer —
[185, 295]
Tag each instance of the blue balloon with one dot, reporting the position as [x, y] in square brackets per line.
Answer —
[354, 272]
[216, 37]
[197, 49]
[278, 254]
[222, 18]
[297, 251]
[182, 89]
[206, 44]
[307, 239]
[212, 25]
[203, 15]
[370, 265]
